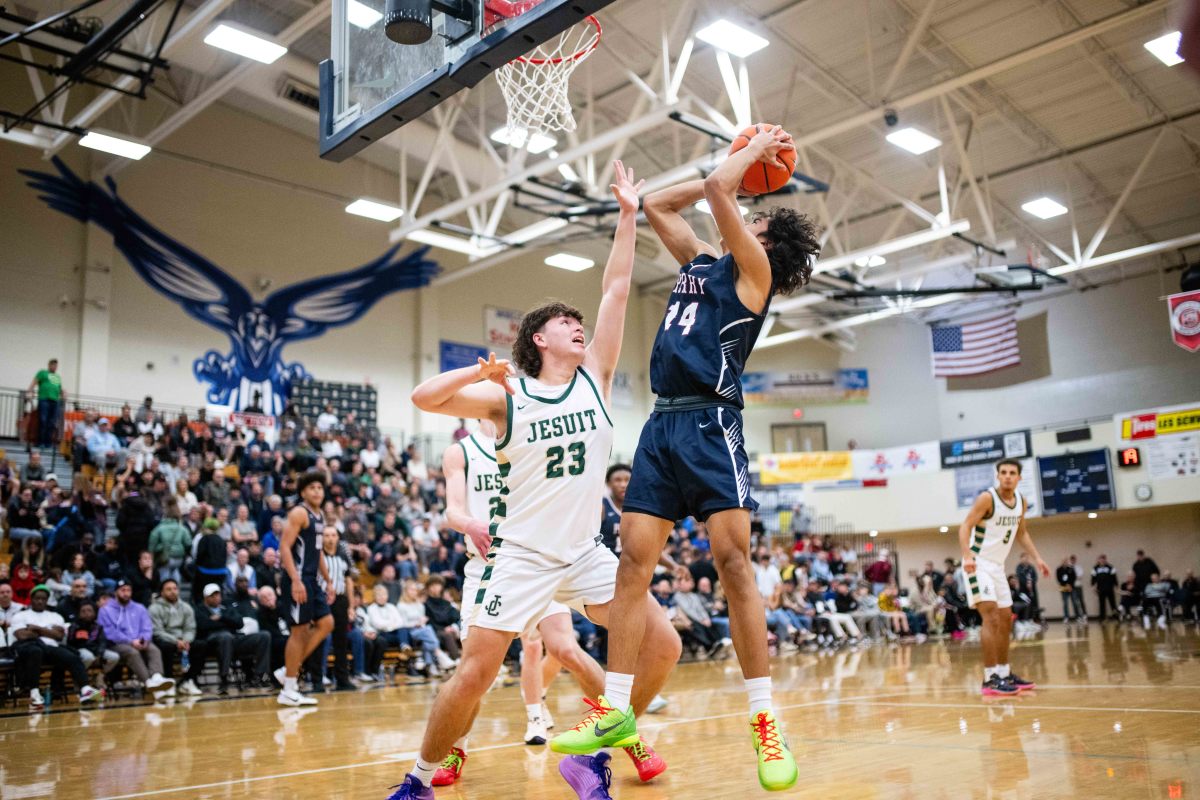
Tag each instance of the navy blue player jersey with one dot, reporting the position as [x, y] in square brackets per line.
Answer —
[706, 336]
[306, 550]
[610, 525]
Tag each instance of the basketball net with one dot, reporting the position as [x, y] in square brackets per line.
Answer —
[535, 85]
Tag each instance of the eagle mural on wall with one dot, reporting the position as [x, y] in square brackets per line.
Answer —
[257, 330]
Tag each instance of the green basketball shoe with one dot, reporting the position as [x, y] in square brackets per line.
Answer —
[776, 765]
[604, 726]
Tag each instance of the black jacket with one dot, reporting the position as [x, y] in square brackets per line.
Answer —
[226, 620]
[1065, 576]
[1104, 578]
[441, 612]
[210, 552]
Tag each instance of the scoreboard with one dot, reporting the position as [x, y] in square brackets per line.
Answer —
[1076, 482]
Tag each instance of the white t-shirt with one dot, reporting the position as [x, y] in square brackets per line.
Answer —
[370, 459]
[326, 422]
[766, 577]
[44, 619]
[331, 448]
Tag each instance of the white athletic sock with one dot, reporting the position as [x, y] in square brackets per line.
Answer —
[533, 711]
[988, 672]
[461, 744]
[290, 685]
[423, 771]
[617, 689]
[1002, 670]
[759, 690]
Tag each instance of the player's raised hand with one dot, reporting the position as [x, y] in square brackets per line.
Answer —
[497, 371]
[767, 144]
[623, 187]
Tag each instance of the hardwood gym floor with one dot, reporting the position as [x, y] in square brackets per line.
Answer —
[1117, 715]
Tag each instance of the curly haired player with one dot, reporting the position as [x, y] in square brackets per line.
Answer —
[691, 457]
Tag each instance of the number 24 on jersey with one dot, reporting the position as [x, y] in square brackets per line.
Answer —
[686, 320]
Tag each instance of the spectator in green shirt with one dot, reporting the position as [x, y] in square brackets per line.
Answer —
[49, 394]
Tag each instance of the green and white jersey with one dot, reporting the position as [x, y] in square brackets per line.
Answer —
[552, 461]
[993, 538]
[483, 480]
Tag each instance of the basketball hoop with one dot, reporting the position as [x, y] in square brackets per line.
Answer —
[535, 85]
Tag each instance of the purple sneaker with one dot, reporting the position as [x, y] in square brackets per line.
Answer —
[411, 789]
[589, 776]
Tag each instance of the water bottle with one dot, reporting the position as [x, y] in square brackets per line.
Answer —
[185, 662]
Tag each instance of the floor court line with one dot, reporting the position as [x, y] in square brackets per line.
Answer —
[394, 757]
[1123, 710]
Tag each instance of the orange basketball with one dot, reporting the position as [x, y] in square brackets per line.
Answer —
[763, 178]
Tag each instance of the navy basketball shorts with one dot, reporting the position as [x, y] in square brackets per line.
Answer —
[690, 463]
[304, 613]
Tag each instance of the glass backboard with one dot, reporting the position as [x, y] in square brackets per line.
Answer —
[370, 86]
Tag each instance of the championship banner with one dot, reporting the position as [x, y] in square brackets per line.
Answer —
[775, 468]
[892, 461]
[500, 326]
[1184, 310]
[1154, 422]
[811, 387]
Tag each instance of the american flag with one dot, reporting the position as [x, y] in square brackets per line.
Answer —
[975, 347]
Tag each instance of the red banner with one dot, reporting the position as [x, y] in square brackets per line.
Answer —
[1185, 319]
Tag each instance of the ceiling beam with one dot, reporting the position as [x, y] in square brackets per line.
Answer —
[199, 20]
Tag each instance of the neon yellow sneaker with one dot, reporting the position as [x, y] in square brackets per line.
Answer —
[604, 726]
[776, 765]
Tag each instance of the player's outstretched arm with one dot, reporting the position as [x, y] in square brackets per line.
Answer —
[720, 189]
[469, 392]
[454, 469]
[979, 509]
[605, 348]
[663, 213]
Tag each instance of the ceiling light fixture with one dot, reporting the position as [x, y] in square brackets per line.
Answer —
[913, 140]
[569, 262]
[1044, 208]
[361, 15]
[536, 230]
[870, 261]
[1166, 48]
[1092, 515]
[873, 534]
[115, 145]
[944, 529]
[245, 43]
[468, 247]
[517, 137]
[733, 39]
[373, 209]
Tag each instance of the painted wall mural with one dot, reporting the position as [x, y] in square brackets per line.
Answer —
[257, 330]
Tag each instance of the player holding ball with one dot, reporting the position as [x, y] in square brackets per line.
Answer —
[691, 457]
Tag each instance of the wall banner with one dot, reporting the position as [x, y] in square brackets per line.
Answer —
[500, 326]
[777, 468]
[907, 459]
[1184, 309]
[1155, 422]
[986, 449]
[811, 387]
[454, 355]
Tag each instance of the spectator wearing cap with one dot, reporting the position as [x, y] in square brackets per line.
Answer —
[127, 625]
[174, 624]
[223, 632]
[38, 634]
[210, 556]
[103, 447]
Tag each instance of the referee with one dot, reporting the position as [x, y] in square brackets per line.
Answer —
[337, 562]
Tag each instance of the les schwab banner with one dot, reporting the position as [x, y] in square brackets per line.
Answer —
[1157, 422]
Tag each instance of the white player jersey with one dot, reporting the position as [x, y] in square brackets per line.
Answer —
[993, 537]
[552, 461]
[483, 480]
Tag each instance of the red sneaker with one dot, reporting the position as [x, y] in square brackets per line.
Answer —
[649, 763]
[451, 769]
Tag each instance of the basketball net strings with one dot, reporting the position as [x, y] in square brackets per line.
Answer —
[535, 87]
